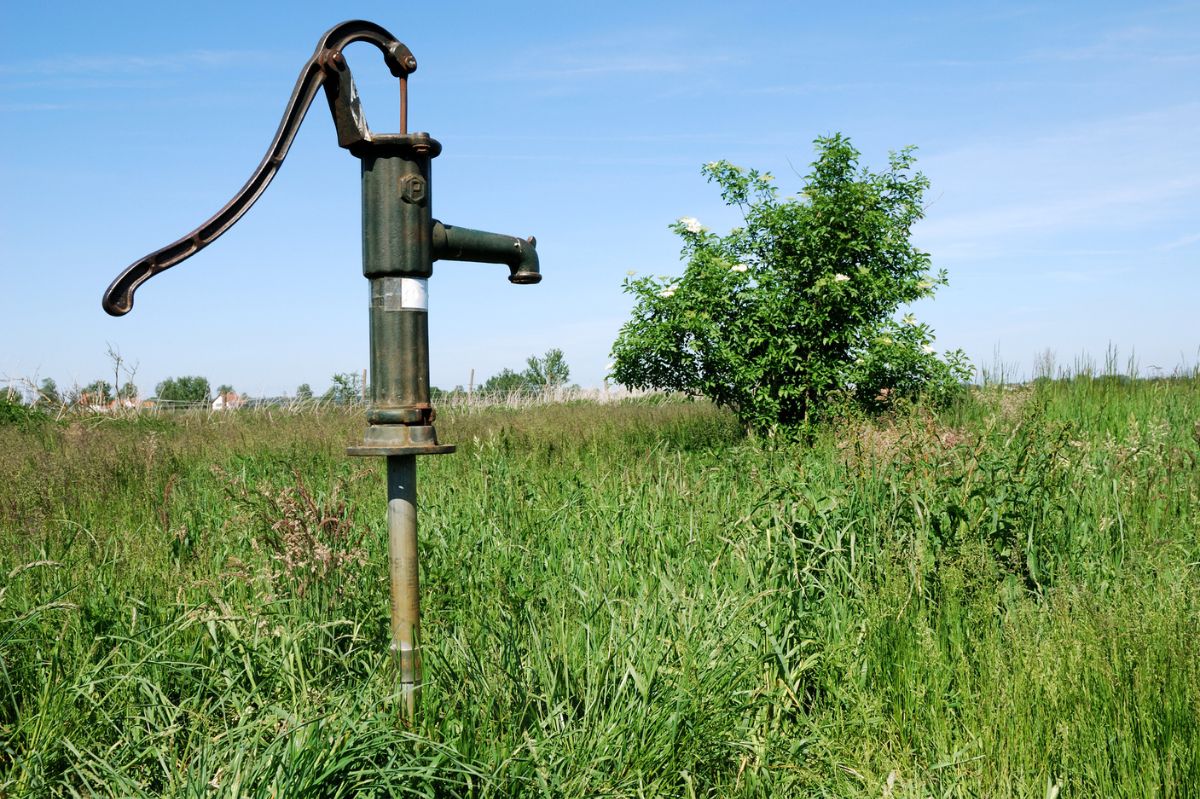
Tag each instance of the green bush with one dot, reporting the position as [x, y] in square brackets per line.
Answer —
[14, 412]
[796, 307]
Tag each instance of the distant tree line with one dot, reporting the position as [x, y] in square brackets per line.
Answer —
[541, 375]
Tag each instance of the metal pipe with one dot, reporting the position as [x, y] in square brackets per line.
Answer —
[405, 578]
[453, 243]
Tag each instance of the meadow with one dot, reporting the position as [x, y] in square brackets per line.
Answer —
[628, 600]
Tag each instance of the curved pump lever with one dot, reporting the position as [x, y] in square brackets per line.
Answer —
[326, 68]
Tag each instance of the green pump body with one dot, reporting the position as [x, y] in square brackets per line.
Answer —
[401, 240]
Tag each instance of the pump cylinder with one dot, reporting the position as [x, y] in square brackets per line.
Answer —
[396, 206]
[399, 319]
[398, 260]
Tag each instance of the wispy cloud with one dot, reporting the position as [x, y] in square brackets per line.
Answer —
[1106, 178]
[25, 108]
[1083, 277]
[1083, 209]
[1137, 43]
[126, 64]
[628, 53]
[1180, 243]
[816, 87]
[630, 64]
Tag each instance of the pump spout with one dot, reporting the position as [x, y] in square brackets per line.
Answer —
[451, 243]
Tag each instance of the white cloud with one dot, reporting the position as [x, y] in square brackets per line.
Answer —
[627, 53]
[1136, 43]
[1181, 242]
[77, 64]
[1114, 177]
[1087, 209]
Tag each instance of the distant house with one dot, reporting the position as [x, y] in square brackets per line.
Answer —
[228, 401]
[98, 404]
[93, 402]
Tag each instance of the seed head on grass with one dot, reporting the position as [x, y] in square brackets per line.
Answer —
[313, 540]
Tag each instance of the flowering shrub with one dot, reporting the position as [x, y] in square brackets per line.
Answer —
[797, 306]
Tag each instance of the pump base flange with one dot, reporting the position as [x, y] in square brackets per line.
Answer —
[400, 439]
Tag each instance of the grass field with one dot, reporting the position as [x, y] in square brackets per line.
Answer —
[618, 600]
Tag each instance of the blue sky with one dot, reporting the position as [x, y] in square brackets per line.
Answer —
[1062, 141]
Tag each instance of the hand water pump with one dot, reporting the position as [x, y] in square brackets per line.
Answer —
[401, 240]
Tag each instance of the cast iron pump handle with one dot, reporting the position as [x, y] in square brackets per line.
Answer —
[327, 69]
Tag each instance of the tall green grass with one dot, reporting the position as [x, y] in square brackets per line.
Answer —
[622, 600]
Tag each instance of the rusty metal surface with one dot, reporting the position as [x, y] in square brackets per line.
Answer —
[327, 68]
[400, 439]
